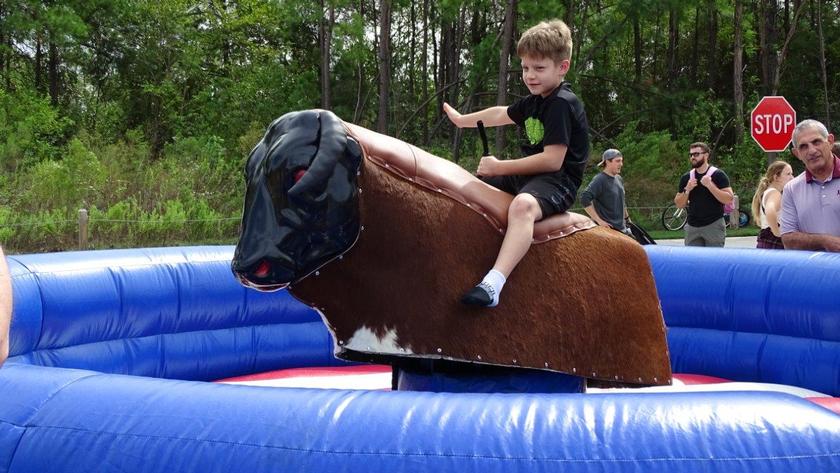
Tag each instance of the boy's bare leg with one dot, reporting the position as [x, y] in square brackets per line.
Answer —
[523, 212]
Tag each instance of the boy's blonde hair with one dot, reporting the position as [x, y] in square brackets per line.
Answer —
[547, 39]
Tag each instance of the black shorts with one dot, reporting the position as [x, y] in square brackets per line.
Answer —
[555, 194]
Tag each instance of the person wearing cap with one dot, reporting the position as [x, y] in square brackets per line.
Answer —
[603, 198]
[811, 201]
[704, 190]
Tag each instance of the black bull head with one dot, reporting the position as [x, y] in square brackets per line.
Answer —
[302, 201]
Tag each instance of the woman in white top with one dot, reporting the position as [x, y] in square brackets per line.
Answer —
[767, 204]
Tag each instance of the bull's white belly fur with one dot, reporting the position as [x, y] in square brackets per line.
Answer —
[365, 340]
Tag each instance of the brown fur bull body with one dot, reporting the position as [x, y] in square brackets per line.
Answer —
[580, 302]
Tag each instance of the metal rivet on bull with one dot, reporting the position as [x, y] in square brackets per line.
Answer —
[654, 379]
[546, 364]
[574, 370]
[340, 257]
[593, 374]
[317, 273]
[439, 350]
[640, 380]
[362, 228]
[341, 342]
[478, 357]
[514, 361]
[616, 377]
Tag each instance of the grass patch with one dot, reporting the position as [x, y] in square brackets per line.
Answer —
[672, 235]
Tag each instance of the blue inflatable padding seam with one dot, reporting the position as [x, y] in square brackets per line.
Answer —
[202, 355]
[324, 430]
[28, 317]
[759, 291]
[738, 356]
[91, 304]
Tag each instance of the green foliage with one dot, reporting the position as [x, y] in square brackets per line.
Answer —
[30, 129]
[144, 111]
[652, 164]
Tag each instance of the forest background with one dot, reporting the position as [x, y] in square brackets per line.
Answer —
[143, 112]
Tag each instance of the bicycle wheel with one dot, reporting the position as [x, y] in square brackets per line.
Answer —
[673, 218]
[743, 217]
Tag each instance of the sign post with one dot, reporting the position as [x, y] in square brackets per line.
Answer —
[772, 122]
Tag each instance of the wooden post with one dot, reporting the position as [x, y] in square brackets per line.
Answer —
[83, 229]
[735, 216]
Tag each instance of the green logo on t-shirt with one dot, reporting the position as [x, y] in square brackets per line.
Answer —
[534, 129]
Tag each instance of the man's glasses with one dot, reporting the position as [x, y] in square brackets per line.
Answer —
[695, 154]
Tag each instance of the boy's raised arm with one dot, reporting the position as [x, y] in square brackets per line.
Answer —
[492, 116]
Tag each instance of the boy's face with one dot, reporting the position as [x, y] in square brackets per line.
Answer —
[542, 75]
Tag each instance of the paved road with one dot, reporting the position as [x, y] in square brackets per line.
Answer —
[731, 242]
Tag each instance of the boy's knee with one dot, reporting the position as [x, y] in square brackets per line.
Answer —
[524, 206]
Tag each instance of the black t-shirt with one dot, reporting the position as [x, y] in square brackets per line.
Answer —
[703, 207]
[558, 119]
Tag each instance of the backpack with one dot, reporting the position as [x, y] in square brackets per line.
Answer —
[727, 208]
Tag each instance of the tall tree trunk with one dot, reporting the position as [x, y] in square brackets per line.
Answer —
[454, 69]
[786, 16]
[695, 48]
[39, 81]
[441, 63]
[504, 66]
[712, 47]
[656, 36]
[767, 39]
[777, 76]
[424, 67]
[384, 64]
[738, 70]
[324, 41]
[673, 43]
[568, 18]
[53, 74]
[637, 49]
[412, 51]
[360, 76]
[3, 41]
[827, 118]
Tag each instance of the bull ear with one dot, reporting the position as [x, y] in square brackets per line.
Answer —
[254, 159]
[353, 152]
[333, 141]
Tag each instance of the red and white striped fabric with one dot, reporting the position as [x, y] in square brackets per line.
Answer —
[378, 377]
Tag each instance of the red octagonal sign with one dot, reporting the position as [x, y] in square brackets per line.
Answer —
[772, 122]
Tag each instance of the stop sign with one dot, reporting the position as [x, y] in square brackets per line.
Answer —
[772, 123]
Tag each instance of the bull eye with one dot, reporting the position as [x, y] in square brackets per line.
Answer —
[299, 174]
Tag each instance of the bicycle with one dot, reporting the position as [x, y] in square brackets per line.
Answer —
[674, 218]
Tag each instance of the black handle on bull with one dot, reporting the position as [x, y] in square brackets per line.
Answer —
[483, 135]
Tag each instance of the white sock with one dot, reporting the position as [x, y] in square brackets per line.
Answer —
[493, 283]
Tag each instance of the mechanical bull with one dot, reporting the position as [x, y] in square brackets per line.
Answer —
[382, 238]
